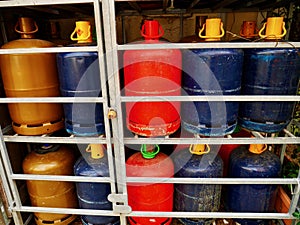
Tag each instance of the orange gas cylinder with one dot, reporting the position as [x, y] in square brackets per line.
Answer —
[146, 196]
[155, 72]
[51, 160]
[31, 75]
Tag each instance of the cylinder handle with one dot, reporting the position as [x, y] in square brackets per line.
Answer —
[160, 34]
[212, 36]
[257, 148]
[96, 150]
[272, 36]
[81, 38]
[26, 32]
[149, 154]
[199, 149]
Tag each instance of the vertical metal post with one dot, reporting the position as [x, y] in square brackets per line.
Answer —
[9, 184]
[103, 79]
[115, 104]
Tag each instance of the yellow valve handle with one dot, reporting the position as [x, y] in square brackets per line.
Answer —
[96, 151]
[26, 32]
[212, 37]
[272, 36]
[199, 149]
[81, 38]
[257, 148]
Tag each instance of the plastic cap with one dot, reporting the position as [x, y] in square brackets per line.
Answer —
[199, 149]
[149, 151]
[257, 148]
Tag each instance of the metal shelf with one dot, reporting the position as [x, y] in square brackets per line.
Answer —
[116, 140]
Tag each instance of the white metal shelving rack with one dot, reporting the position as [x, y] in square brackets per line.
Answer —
[104, 11]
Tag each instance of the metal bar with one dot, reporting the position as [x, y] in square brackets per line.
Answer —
[103, 78]
[128, 140]
[212, 215]
[202, 98]
[14, 3]
[52, 100]
[66, 211]
[211, 45]
[48, 50]
[188, 180]
[215, 98]
[212, 140]
[114, 91]
[62, 140]
[61, 178]
[12, 192]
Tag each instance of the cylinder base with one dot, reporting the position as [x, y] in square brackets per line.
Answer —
[64, 221]
[45, 128]
[209, 131]
[262, 127]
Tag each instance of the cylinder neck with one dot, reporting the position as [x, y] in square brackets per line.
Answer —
[149, 151]
[26, 27]
[45, 148]
[257, 148]
[152, 30]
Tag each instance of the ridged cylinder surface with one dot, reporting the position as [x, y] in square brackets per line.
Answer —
[57, 194]
[94, 195]
[211, 72]
[269, 72]
[32, 75]
[197, 197]
[79, 76]
[152, 73]
[255, 198]
[150, 197]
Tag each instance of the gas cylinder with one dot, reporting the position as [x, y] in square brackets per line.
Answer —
[94, 195]
[79, 76]
[211, 72]
[49, 159]
[199, 162]
[253, 161]
[150, 196]
[155, 72]
[269, 72]
[226, 149]
[31, 75]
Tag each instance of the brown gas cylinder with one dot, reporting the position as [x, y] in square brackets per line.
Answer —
[51, 160]
[31, 75]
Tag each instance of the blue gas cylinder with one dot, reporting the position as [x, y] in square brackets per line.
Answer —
[94, 195]
[79, 76]
[253, 161]
[197, 197]
[269, 72]
[211, 72]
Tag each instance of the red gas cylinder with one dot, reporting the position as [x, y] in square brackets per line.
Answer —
[150, 196]
[155, 72]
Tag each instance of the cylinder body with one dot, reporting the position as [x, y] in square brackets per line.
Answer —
[150, 197]
[79, 76]
[256, 198]
[154, 72]
[94, 195]
[211, 72]
[269, 72]
[197, 197]
[32, 75]
[57, 194]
